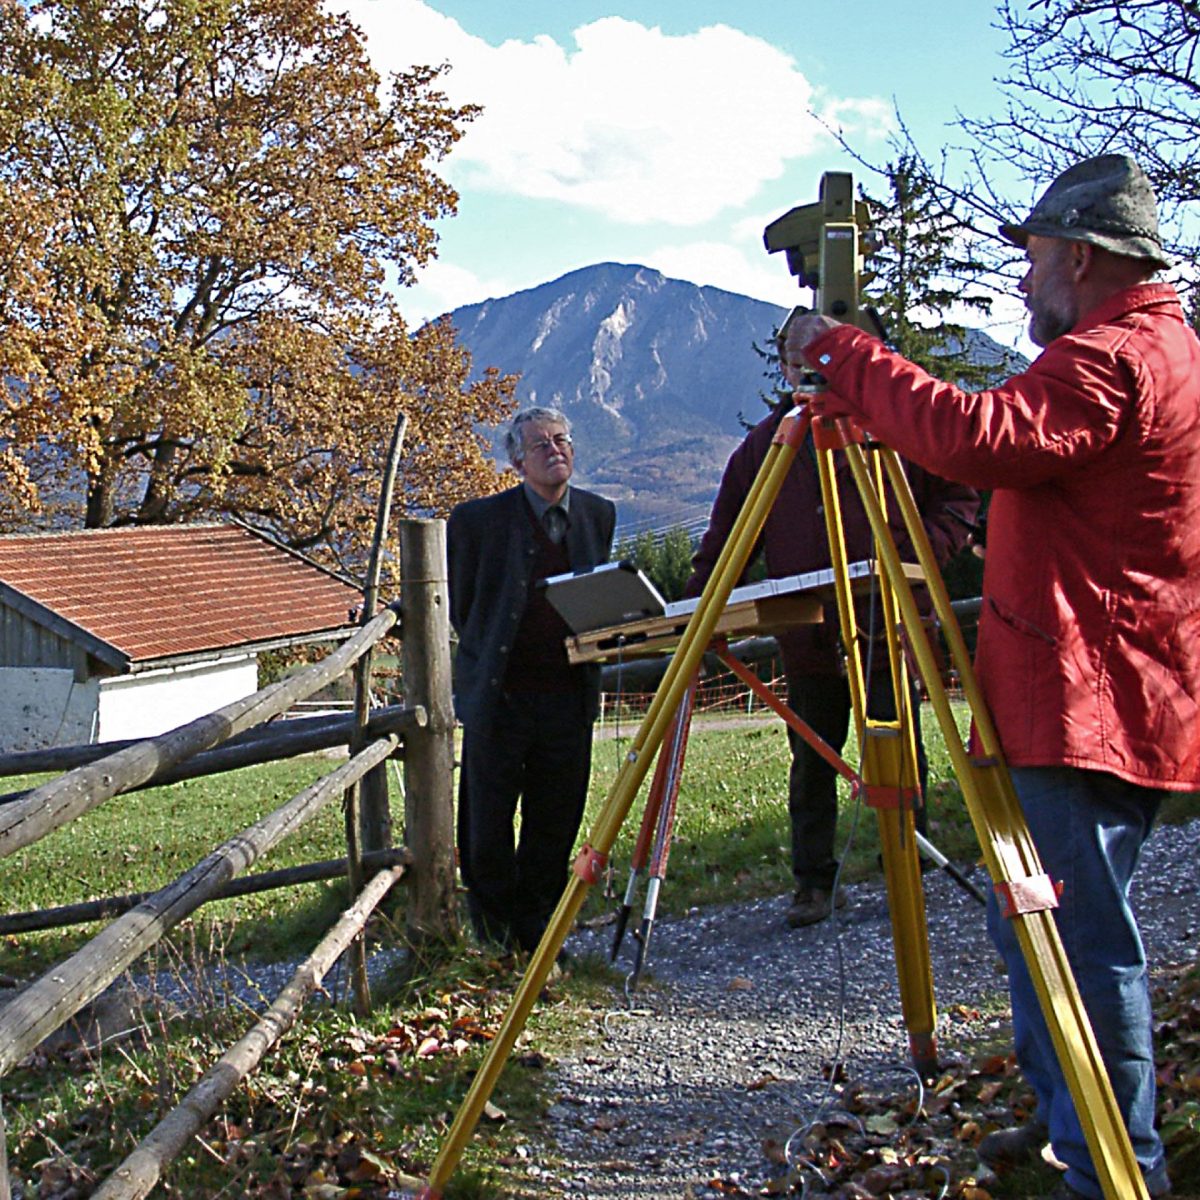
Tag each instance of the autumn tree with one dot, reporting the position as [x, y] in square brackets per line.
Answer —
[205, 209]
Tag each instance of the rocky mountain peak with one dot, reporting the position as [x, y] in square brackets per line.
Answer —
[660, 378]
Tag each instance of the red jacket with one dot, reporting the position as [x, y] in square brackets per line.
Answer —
[1089, 641]
[794, 538]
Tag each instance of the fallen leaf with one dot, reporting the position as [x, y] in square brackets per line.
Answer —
[882, 1124]
[761, 1082]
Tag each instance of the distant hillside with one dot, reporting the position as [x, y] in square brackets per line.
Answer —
[657, 376]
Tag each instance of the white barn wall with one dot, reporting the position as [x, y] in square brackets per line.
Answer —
[45, 706]
[151, 702]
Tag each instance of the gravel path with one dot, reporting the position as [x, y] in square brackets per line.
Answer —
[721, 1049]
[722, 1046]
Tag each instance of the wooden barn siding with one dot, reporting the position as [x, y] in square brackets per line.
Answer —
[24, 643]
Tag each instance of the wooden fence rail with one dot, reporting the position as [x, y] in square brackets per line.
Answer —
[263, 743]
[60, 993]
[54, 804]
[138, 1174]
[87, 911]
[234, 736]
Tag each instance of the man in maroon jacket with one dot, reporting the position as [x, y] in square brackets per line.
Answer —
[795, 540]
[1088, 651]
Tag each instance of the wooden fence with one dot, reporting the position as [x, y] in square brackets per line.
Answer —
[420, 732]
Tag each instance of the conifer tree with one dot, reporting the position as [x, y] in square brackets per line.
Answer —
[927, 276]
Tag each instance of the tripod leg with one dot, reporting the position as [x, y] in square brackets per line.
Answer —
[641, 851]
[888, 771]
[1012, 858]
[940, 860]
[666, 827]
[663, 793]
[643, 938]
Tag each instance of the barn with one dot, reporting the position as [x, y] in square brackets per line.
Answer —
[122, 633]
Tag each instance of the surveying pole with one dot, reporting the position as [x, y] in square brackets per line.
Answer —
[825, 244]
[1026, 893]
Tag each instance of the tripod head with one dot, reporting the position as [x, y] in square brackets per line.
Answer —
[825, 244]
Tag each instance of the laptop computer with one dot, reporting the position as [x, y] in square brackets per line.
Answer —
[612, 594]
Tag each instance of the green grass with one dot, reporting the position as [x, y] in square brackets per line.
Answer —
[335, 1074]
[731, 839]
[143, 840]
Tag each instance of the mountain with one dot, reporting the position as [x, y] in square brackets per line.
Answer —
[659, 378]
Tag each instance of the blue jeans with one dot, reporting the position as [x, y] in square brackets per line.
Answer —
[1089, 828]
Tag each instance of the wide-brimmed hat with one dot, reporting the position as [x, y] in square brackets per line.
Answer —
[1107, 201]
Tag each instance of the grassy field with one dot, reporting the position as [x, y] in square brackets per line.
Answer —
[731, 838]
[140, 841]
[348, 1100]
[353, 1106]
[732, 831]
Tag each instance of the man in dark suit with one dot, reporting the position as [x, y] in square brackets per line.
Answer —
[526, 712]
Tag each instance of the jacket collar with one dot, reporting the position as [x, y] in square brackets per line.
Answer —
[1135, 299]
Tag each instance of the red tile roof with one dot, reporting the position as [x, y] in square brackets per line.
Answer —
[164, 590]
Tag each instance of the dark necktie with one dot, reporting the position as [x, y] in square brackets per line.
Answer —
[554, 521]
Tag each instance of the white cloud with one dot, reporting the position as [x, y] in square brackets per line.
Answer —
[441, 287]
[723, 265]
[631, 122]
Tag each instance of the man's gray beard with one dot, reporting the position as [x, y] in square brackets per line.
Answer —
[1045, 327]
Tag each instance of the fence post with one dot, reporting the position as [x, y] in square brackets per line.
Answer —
[429, 752]
[375, 815]
[5, 1187]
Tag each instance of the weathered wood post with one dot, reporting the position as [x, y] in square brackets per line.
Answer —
[5, 1188]
[429, 752]
[375, 815]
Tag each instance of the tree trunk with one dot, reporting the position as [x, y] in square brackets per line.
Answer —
[99, 511]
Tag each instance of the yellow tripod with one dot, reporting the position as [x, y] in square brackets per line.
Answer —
[889, 764]
[828, 232]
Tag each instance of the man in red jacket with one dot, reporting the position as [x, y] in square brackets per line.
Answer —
[1088, 649]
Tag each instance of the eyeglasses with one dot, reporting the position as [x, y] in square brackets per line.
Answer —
[560, 441]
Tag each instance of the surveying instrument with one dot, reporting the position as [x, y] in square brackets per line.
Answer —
[825, 244]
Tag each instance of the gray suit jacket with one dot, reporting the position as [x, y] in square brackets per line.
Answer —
[491, 551]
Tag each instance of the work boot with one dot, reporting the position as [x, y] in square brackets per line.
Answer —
[810, 905]
[1026, 1145]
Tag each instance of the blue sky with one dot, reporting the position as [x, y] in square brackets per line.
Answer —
[668, 133]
